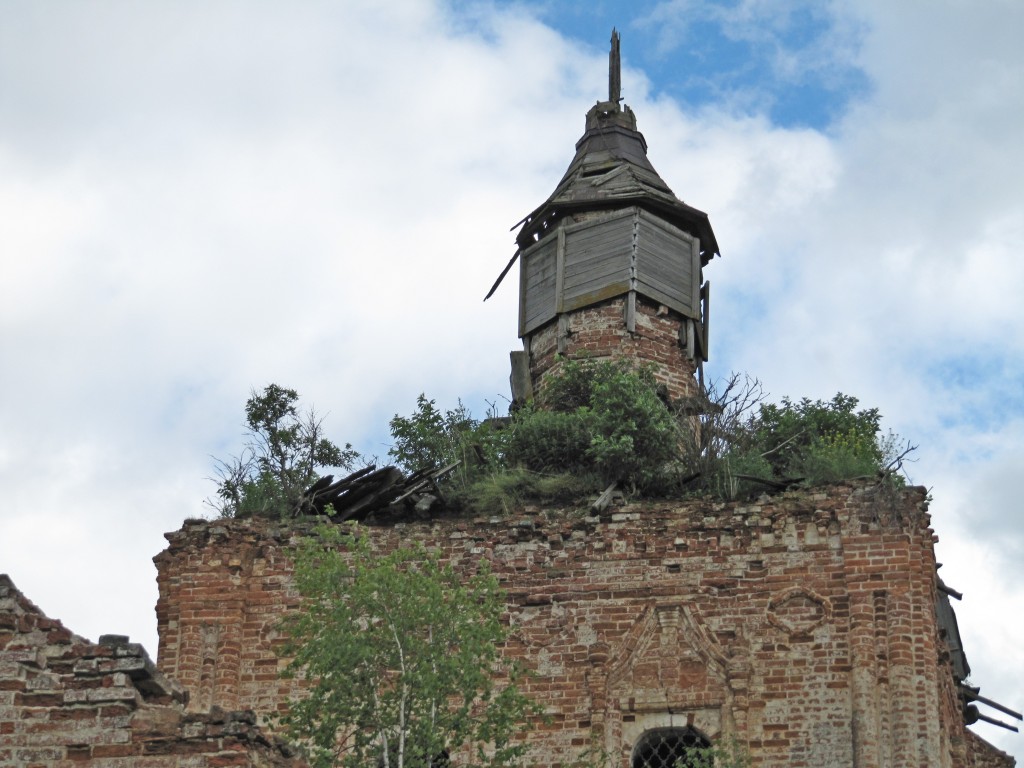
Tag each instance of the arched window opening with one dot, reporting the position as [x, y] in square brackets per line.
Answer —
[668, 748]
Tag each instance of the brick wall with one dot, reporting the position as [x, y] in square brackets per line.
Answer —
[600, 331]
[984, 755]
[802, 625]
[67, 702]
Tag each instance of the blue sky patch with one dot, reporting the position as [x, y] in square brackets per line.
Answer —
[781, 61]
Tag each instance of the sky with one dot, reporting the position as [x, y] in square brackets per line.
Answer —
[200, 198]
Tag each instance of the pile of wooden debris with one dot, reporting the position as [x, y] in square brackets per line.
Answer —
[370, 490]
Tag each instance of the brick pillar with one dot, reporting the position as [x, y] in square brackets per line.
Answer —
[903, 683]
[864, 680]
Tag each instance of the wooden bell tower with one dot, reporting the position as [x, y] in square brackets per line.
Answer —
[611, 264]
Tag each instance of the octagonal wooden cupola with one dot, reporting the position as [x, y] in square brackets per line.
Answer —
[611, 264]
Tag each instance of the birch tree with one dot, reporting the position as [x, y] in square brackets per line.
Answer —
[402, 656]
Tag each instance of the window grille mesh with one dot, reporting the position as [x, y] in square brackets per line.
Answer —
[668, 748]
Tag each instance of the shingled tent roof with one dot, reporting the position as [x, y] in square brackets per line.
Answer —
[611, 170]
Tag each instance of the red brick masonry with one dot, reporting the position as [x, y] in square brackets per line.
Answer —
[67, 702]
[802, 625]
[599, 331]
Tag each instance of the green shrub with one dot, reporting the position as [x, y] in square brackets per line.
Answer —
[633, 433]
[285, 452]
[603, 417]
[830, 458]
[431, 438]
[797, 437]
[727, 755]
[504, 492]
[812, 442]
[550, 441]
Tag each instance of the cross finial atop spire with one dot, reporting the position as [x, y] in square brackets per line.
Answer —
[614, 71]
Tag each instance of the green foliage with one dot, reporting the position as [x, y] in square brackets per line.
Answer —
[812, 442]
[506, 491]
[431, 438]
[550, 440]
[604, 417]
[728, 479]
[486, 479]
[817, 440]
[402, 654]
[633, 432]
[831, 458]
[598, 422]
[284, 452]
[727, 755]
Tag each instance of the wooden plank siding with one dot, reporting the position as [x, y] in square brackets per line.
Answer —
[537, 279]
[626, 251]
[668, 265]
[597, 259]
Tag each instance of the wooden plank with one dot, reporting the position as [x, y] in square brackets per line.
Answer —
[598, 238]
[686, 337]
[656, 295]
[631, 296]
[605, 269]
[664, 261]
[663, 247]
[590, 286]
[520, 381]
[634, 232]
[657, 269]
[608, 176]
[502, 275]
[595, 281]
[602, 502]
[648, 218]
[538, 271]
[589, 299]
[625, 213]
[696, 270]
[522, 296]
[675, 300]
[596, 259]
[705, 295]
[559, 268]
[579, 252]
[605, 240]
[665, 264]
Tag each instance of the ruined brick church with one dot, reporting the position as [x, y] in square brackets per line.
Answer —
[809, 627]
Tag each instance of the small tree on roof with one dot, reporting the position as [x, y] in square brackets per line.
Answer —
[284, 453]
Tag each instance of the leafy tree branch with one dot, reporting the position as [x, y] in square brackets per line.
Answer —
[402, 656]
[285, 450]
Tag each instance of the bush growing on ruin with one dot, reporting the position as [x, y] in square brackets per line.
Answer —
[604, 417]
[402, 656]
[508, 490]
[432, 438]
[598, 422]
[810, 442]
[285, 450]
[817, 439]
[595, 423]
[549, 441]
